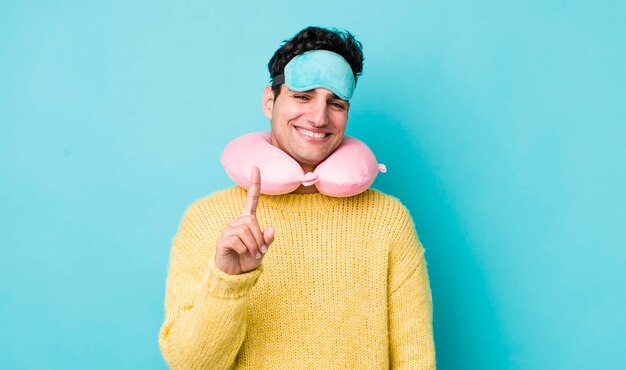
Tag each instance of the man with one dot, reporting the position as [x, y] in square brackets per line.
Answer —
[344, 283]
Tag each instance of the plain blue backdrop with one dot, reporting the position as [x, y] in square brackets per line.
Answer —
[502, 125]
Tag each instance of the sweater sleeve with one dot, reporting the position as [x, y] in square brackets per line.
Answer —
[205, 308]
[411, 343]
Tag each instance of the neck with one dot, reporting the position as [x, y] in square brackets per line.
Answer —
[306, 189]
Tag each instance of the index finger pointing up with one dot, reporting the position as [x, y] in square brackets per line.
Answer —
[253, 192]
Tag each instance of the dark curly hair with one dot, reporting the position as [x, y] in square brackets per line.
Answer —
[317, 38]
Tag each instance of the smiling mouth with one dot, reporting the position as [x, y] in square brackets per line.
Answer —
[311, 134]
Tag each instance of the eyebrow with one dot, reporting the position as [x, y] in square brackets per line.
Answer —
[333, 96]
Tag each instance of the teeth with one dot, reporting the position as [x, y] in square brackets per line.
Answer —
[312, 134]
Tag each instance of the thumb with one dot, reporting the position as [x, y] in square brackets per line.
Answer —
[268, 235]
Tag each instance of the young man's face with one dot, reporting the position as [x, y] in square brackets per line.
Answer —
[308, 125]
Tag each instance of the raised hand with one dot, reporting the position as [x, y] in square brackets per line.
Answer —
[242, 245]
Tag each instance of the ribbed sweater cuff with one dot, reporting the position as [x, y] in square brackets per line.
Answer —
[222, 285]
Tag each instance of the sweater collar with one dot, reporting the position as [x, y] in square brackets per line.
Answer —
[316, 202]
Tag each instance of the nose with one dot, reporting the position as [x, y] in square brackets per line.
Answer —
[317, 114]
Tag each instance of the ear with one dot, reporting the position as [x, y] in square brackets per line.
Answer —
[268, 102]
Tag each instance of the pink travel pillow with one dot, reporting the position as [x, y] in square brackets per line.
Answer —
[349, 170]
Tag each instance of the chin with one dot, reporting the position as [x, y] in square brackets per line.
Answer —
[310, 158]
[311, 162]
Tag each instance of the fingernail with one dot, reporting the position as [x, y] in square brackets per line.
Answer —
[258, 255]
[263, 248]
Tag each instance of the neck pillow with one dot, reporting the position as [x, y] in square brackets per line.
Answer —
[349, 170]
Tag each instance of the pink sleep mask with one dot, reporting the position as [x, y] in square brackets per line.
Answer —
[349, 170]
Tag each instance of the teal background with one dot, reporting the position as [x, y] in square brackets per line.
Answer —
[501, 124]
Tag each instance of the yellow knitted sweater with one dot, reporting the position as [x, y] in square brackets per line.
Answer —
[344, 285]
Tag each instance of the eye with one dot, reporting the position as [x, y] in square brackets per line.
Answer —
[338, 105]
[301, 97]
